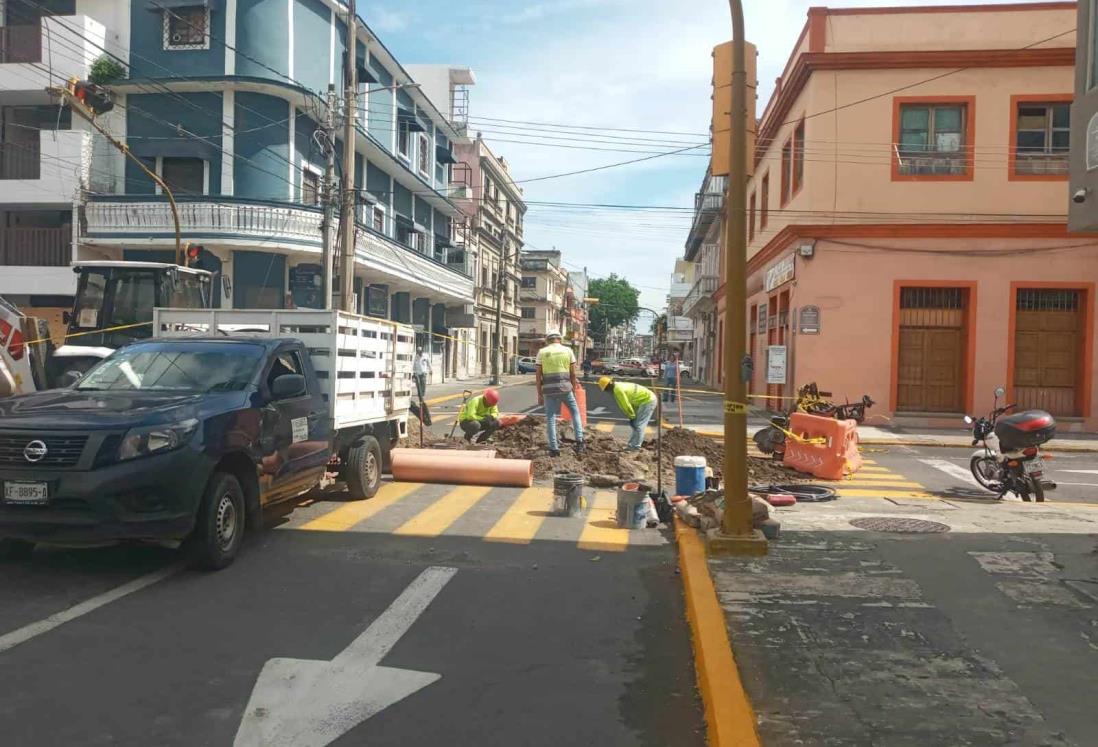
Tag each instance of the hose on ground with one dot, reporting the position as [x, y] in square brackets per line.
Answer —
[803, 493]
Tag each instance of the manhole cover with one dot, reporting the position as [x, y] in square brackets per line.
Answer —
[899, 525]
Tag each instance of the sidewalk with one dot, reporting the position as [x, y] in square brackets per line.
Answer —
[438, 394]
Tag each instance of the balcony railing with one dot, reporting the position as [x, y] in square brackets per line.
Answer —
[707, 203]
[36, 247]
[700, 297]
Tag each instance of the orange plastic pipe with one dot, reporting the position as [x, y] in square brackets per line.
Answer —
[447, 453]
[419, 466]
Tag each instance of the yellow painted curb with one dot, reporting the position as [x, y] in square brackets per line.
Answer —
[459, 395]
[729, 717]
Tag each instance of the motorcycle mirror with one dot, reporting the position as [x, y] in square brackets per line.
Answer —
[999, 392]
[969, 420]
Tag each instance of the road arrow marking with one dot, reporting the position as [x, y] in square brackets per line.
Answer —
[312, 703]
[1080, 471]
[597, 411]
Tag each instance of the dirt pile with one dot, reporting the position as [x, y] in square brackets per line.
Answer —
[604, 456]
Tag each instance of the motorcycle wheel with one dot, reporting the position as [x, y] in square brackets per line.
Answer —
[987, 472]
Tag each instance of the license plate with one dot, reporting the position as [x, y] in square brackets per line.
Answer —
[1034, 465]
[30, 493]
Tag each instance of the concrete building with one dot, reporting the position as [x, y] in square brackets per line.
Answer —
[679, 336]
[1083, 191]
[497, 211]
[542, 293]
[703, 250]
[223, 100]
[576, 321]
[907, 224]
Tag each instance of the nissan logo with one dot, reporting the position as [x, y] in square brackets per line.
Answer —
[35, 451]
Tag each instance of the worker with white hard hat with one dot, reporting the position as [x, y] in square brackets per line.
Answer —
[556, 381]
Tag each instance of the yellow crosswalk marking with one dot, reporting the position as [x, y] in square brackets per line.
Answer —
[521, 521]
[602, 531]
[874, 469]
[437, 518]
[604, 427]
[347, 515]
[875, 493]
[875, 484]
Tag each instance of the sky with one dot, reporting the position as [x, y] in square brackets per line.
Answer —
[640, 65]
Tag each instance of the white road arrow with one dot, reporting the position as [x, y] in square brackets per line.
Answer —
[312, 703]
[598, 411]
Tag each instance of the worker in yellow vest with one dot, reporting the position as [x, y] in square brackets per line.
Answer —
[638, 403]
[555, 376]
[479, 418]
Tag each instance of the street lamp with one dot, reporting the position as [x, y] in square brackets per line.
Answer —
[737, 535]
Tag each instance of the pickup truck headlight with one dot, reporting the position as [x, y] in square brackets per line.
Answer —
[139, 442]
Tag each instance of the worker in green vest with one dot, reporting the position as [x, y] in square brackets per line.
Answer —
[479, 418]
[555, 376]
[638, 403]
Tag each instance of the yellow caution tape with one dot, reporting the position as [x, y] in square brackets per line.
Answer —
[93, 332]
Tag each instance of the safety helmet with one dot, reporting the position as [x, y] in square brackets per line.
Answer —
[605, 382]
[491, 396]
[552, 335]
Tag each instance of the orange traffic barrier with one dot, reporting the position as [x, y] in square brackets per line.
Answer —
[824, 447]
[413, 465]
[581, 400]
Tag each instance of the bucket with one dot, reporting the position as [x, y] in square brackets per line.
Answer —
[632, 506]
[567, 493]
[581, 402]
[689, 475]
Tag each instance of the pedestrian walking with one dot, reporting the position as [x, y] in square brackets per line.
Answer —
[479, 417]
[587, 366]
[555, 376]
[421, 369]
[670, 370]
[638, 403]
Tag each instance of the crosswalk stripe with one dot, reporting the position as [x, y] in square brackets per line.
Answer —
[346, 516]
[601, 531]
[521, 521]
[875, 493]
[875, 484]
[437, 518]
[604, 427]
[955, 471]
[873, 469]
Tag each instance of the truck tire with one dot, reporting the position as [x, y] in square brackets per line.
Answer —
[219, 530]
[362, 472]
[15, 549]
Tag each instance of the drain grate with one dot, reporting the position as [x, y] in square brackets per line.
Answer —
[898, 525]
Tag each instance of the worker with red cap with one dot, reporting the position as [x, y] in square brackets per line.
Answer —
[479, 418]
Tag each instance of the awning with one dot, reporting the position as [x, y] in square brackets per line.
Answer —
[444, 155]
[408, 118]
[159, 5]
[174, 149]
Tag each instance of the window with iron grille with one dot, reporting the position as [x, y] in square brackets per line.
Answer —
[1047, 299]
[310, 187]
[932, 140]
[529, 282]
[1042, 139]
[932, 298]
[187, 27]
[528, 312]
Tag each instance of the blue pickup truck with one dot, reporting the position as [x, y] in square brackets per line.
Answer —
[189, 435]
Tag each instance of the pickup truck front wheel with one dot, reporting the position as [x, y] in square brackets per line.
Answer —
[220, 527]
[362, 472]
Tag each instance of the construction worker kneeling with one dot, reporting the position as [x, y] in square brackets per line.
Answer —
[479, 418]
[638, 403]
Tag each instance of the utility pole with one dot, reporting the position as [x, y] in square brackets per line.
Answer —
[347, 180]
[497, 352]
[330, 188]
[737, 535]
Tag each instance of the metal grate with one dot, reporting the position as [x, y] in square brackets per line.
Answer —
[932, 298]
[899, 525]
[61, 451]
[1045, 299]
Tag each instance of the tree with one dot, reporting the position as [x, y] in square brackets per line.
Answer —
[617, 304]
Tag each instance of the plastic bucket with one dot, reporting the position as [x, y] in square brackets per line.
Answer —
[581, 402]
[567, 493]
[632, 506]
[689, 475]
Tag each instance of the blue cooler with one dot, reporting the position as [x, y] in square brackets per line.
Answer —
[689, 475]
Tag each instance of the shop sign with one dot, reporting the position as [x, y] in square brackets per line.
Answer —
[810, 320]
[377, 301]
[780, 273]
[776, 364]
[762, 319]
[306, 284]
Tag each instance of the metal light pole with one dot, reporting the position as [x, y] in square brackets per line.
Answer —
[737, 535]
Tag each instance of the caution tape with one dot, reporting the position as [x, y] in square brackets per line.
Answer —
[41, 340]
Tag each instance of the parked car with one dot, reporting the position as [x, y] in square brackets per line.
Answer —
[607, 366]
[187, 436]
[639, 367]
[527, 365]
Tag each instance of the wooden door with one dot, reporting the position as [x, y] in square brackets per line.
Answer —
[931, 365]
[1048, 346]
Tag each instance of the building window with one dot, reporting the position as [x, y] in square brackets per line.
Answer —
[529, 282]
[787, 170]
[751, 218]
[528, 312]
[424, 155]
[1042, 132]
[764, 204]
[377, 219]
[187, 27]
[798, 158]
[404, 139]
[310, 185]
[933, 140]
[184, 175]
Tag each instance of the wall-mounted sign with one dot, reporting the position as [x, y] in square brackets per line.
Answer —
[781, 273]
[776, 364]
[810, 320]
[377, 301]
[306, 284]
[762, 319]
